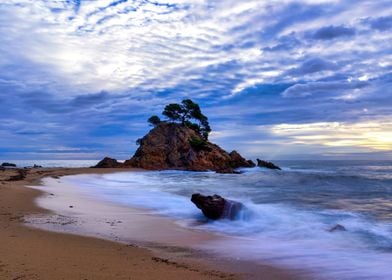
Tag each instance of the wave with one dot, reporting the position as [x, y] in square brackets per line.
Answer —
[286, 218]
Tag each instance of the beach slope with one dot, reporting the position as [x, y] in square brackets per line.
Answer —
[31, 253]
[27, 253]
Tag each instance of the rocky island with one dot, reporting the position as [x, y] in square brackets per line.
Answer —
[181, 143]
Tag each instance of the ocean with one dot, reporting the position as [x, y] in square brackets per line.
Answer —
[51, 162]
[287, 217]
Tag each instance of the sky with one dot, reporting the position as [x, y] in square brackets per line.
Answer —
[277, 79]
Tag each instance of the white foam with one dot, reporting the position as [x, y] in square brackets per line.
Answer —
[278, 232]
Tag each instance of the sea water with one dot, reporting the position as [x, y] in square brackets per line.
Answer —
[51, 163]
[287, 216]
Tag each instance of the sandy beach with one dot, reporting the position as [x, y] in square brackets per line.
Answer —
[30, 253]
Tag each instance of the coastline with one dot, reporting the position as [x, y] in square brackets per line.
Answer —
[31, 253]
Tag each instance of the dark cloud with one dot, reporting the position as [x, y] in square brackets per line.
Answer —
[285, 43]
[30, 132]
[380, 23]
[332, 32]
[90, 99]
[290, 14]
[330, 88]
[313, 65]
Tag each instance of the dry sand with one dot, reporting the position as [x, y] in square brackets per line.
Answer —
[29, 253]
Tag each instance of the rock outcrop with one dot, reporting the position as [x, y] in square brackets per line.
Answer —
[267, 164]
[175, 146]
[216, 207]
[108, 162]
[238, 160]
[7, 164]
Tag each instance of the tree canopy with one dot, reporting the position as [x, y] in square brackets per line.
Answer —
[188, 113]
[154, 120]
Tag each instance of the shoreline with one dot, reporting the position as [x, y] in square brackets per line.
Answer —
[78, 213]
[77, 256]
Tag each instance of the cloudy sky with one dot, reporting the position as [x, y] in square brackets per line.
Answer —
[277, 79]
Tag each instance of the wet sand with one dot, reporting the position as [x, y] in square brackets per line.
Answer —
[83, 214]
[32, 253]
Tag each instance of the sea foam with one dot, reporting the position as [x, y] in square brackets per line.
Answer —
[287, 215]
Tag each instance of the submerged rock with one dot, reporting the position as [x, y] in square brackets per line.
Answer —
[216, 207]
[228, 171]
[267, 164]
[337, 227]
[175, 146]
[108, 162]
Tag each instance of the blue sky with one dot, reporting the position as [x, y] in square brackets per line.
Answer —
[277, 79]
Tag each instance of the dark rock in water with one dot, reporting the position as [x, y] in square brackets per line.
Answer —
[8, 164]
[231, 210]
[175, 146]
[108, 162]
[228, 171]
[337, 227]
[267, 164]
[251, 163]
[37, 166]
[225, 170]
[211, 206]
[216, 207]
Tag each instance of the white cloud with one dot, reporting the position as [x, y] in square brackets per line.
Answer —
[100, 46]
[211, 51]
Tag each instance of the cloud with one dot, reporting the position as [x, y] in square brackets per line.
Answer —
[88, 73]
[380, 23]
[313, 65]
[285, 43]
[331, 88]
[332, 32]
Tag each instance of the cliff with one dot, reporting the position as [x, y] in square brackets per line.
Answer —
[174, 146]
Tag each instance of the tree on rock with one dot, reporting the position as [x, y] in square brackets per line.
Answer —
[154, 120]
[185, 113]
[173, 112]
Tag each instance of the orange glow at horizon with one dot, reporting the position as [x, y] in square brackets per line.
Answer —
[375, 135]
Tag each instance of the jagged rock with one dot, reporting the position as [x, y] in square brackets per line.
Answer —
[175, 146]
[337, 227]
[216, 207]
[108, 162]
[37, 166]
[238, 161]
[267, 164]
[8, 164]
